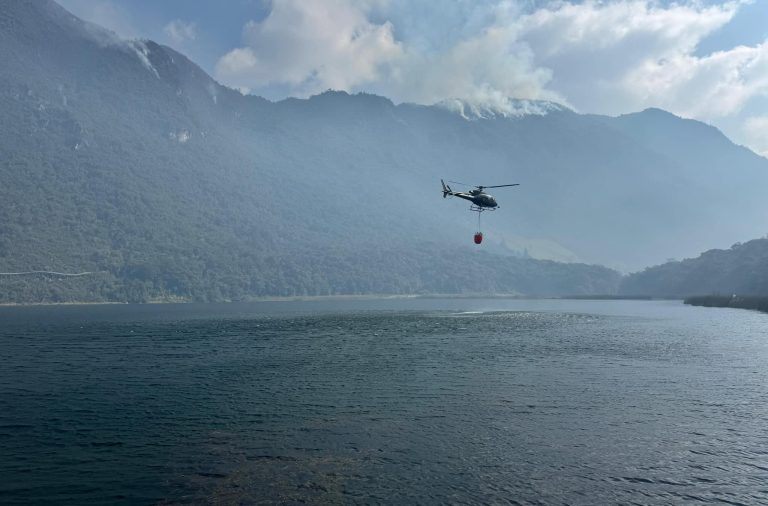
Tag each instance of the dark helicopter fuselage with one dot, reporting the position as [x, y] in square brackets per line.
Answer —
[480, 199]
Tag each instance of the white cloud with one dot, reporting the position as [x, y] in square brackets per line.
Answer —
[178, 32]
[310, 47]
[625, 55]
[710, 87]
[637, 27]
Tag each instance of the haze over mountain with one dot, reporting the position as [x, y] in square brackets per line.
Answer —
[124, 157]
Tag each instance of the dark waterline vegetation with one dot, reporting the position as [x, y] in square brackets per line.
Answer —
[756, 302]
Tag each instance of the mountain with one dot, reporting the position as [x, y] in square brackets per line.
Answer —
[742, 270]
[124, 158]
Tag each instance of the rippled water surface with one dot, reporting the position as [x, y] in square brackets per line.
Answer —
[389, 401]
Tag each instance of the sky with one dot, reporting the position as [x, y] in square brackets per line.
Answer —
[706, 60]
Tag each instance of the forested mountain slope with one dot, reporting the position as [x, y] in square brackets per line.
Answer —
[741, 270]
[126, 159]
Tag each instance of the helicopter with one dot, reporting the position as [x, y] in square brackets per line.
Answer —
[480, 200]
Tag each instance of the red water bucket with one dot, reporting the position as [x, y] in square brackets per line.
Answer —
[478, 238]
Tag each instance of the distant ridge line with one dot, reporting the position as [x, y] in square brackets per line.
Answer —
[72, 275]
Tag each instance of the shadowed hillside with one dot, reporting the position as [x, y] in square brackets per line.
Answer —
[741, 270]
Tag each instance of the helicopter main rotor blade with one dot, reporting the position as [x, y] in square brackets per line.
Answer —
[502, 185]
[457, 182]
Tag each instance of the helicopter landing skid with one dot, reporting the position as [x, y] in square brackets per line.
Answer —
[479, 209]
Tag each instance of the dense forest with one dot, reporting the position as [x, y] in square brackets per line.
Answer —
[370, 271]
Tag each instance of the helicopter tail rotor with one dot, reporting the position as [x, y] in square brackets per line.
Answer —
[446, 189]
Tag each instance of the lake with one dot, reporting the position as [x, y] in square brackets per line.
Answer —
[382, 401]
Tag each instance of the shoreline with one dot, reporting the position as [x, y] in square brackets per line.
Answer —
[751, 302]
[310, 298]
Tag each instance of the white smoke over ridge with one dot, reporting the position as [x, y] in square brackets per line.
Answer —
[107, 37]
[104, 13]
[140, 49]
[510, 107]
